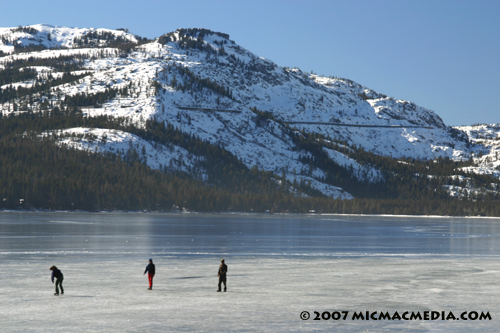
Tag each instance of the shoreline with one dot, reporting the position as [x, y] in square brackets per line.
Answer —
[244, 213]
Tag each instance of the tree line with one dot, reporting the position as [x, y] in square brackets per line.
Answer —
[37, 173]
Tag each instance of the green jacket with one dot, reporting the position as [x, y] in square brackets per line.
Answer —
[222, 270]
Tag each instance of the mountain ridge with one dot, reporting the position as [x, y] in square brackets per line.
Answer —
[162, 78]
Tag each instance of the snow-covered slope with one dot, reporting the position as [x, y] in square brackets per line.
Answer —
[49, 36]
[485, 149]
[168, 78]
[100, 140]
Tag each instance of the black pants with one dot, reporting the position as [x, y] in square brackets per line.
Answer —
[59, 282]
[222, 279]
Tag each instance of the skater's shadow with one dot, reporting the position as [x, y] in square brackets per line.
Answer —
[188, 277]
[79, 296]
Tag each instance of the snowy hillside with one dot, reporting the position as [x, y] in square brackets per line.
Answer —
[50, 36]
[485, 149]
[103, 140]
[187, 77]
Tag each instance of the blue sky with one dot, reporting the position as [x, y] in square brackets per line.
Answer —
[443, 55]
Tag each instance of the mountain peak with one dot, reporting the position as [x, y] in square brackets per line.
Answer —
[200, 33]
[195, 37]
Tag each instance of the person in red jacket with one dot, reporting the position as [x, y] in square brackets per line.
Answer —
[58, 275]
[151, 270]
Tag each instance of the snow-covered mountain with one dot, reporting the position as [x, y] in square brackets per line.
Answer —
[205, 84]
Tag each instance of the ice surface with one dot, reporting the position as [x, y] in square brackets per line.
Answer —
[278, 266]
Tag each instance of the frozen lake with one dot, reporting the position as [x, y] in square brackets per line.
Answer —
[279, 266]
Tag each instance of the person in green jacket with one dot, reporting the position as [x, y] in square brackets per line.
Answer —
[222, 275]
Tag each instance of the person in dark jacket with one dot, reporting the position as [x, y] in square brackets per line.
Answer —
[58, 275]
[222, 275]
[151, 270]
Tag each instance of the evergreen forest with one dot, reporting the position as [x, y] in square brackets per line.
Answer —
[37, 173]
